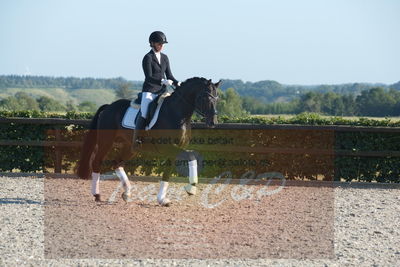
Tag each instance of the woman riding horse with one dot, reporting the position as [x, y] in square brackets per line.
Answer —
[155, 67]
[195, 94]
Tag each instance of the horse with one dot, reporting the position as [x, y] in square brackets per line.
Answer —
[193, 95]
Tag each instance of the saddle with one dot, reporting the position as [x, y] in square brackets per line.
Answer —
[152, 106]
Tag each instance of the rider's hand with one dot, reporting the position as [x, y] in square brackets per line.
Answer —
[179, 84]
[166, 82]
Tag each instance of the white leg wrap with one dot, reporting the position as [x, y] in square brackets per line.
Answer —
[193, 172]
[191, 188]
[161, 196]
[120, 172]
[95, 183]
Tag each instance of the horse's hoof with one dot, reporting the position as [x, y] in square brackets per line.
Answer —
[126, 196]
[97, 198]
[165, 202]
[190, 189]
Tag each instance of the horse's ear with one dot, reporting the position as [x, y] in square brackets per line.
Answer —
[218, 83]
[209, 82]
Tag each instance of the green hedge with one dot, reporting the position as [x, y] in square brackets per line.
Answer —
[302, 118]
[31, 158]
[294, 166]
[313, 119]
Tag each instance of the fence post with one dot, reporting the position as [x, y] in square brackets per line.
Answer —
[58, 163]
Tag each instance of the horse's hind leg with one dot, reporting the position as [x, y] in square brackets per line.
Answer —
[162, 193]
[104, 145]
[126, 195]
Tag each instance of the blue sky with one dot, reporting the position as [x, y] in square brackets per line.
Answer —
[292, 42]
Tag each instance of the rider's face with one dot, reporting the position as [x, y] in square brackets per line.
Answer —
[158, 46]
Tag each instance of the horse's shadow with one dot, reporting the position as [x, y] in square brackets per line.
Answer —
[19, 200]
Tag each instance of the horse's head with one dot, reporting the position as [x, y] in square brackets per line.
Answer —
[206, 102]
[201, 95]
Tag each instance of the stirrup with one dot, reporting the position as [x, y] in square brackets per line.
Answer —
[137, 141]
[139, 130]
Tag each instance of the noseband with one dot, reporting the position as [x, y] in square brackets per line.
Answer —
[199, 105]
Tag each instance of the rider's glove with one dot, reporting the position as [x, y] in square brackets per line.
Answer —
[166, 82]
[179, 84]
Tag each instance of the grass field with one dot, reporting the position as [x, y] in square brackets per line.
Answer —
[77, 96]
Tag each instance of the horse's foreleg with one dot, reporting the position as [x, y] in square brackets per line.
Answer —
[126, 195]
[162, 193]
[191, 188]
[96, 186]
[125, 154]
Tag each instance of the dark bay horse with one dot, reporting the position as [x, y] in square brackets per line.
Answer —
[195, 94]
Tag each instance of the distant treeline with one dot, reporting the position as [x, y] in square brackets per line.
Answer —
[22, 81]
[377, 102]
[21, 101]
[265, 91]
[237, 98]
[272, 91]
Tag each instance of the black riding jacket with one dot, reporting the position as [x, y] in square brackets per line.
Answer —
[154, 72]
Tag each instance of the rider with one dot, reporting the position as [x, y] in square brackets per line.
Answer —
[157, 74]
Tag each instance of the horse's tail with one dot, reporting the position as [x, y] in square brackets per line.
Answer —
[84, 169]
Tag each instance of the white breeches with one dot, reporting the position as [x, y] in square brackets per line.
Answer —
[147, 97]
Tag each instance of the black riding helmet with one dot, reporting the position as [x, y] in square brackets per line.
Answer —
[158, 37]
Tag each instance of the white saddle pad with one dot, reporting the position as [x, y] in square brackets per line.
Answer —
[129, 118]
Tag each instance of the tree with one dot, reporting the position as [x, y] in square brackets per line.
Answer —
[349, 105]
[123, 91]
[376, 102]
[20, 101]
[9, 103]
[396, 85]
[310, 102]
[253, 105]
[49, 104]
[26, 102]
[87, 106]
[329, 103]
[230, 104]
[70, 106]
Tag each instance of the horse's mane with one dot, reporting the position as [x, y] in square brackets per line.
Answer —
[192, 80]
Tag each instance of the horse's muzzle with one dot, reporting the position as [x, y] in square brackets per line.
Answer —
[212, 122]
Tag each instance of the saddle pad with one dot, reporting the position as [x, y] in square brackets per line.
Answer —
[129, 118]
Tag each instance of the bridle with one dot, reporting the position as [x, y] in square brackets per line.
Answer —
[204, 95]
[199, 109]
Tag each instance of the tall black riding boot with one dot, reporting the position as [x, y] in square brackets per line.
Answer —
[138, 132]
